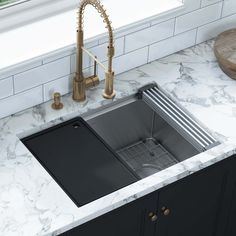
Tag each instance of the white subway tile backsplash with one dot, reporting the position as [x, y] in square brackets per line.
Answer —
[6, 87]
[62, 85]
[21, 101]
[171, 45]
[212, 30]
[148, 36]
[42, 74]
[229, 7]
[101, 52]
[127, 62]
[209, 2]
[130, 60]
[90, 43]
[123, 32]
[67, 51]
[58, 54]
[192, 5]
[73, 63]
[189, 6]
[197, 18]
[19, 68]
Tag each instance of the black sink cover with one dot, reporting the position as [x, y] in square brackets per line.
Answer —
[79, 160]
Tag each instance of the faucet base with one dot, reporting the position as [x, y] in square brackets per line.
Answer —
[109, 92]
[109, 96]
[78, 90]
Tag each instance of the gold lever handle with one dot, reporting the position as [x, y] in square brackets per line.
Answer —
[152, 216]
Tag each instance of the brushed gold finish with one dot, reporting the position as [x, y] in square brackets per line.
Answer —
[152, 216]
[78, 88]
[57, 105]
[109, 92]
[91, 81]
[165, 211]
[80, 83]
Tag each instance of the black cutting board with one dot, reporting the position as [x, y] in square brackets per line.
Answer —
[79, 160]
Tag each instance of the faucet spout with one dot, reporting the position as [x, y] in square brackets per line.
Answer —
[79, 83]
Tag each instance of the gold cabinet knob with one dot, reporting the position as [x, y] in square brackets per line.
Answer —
[165, 211]
[152, 216]
[57, 105]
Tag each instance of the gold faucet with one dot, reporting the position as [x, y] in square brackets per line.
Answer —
[80, 83]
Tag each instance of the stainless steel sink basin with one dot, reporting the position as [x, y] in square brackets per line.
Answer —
[148, 139]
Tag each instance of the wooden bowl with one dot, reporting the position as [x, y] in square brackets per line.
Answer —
[225, 51]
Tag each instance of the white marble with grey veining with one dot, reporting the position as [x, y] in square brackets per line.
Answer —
[31, 202]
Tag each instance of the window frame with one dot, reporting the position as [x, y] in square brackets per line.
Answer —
[29, 11]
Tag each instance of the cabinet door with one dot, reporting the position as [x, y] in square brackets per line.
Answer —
[230, 203]
[193, 206]
[130, 220]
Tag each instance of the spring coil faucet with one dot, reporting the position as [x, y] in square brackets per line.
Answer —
[80, 83]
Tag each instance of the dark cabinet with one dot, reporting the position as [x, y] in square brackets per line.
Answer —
[133, 219]
[194, 205]
[203, 203]
[230, 203]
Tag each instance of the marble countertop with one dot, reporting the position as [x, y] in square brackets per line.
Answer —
[31, 202]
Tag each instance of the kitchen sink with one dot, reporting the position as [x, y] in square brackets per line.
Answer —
[150, 133]
[142, 138]
[116, 145]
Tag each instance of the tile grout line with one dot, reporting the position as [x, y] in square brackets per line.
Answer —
[13, 84]
[43, 93]
[24, 71]
[70, 63]
[222, 8]
[124, 47]
[196, 36]
[197, 9]
[12, 74]
[148, 53]
[62, 77]
[220, 18]
[20, 93]
[51, 61]
[174, 33]
[172, 36]
[43, 83]
[210, 3]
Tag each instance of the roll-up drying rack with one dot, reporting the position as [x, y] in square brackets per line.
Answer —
[177, 117]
